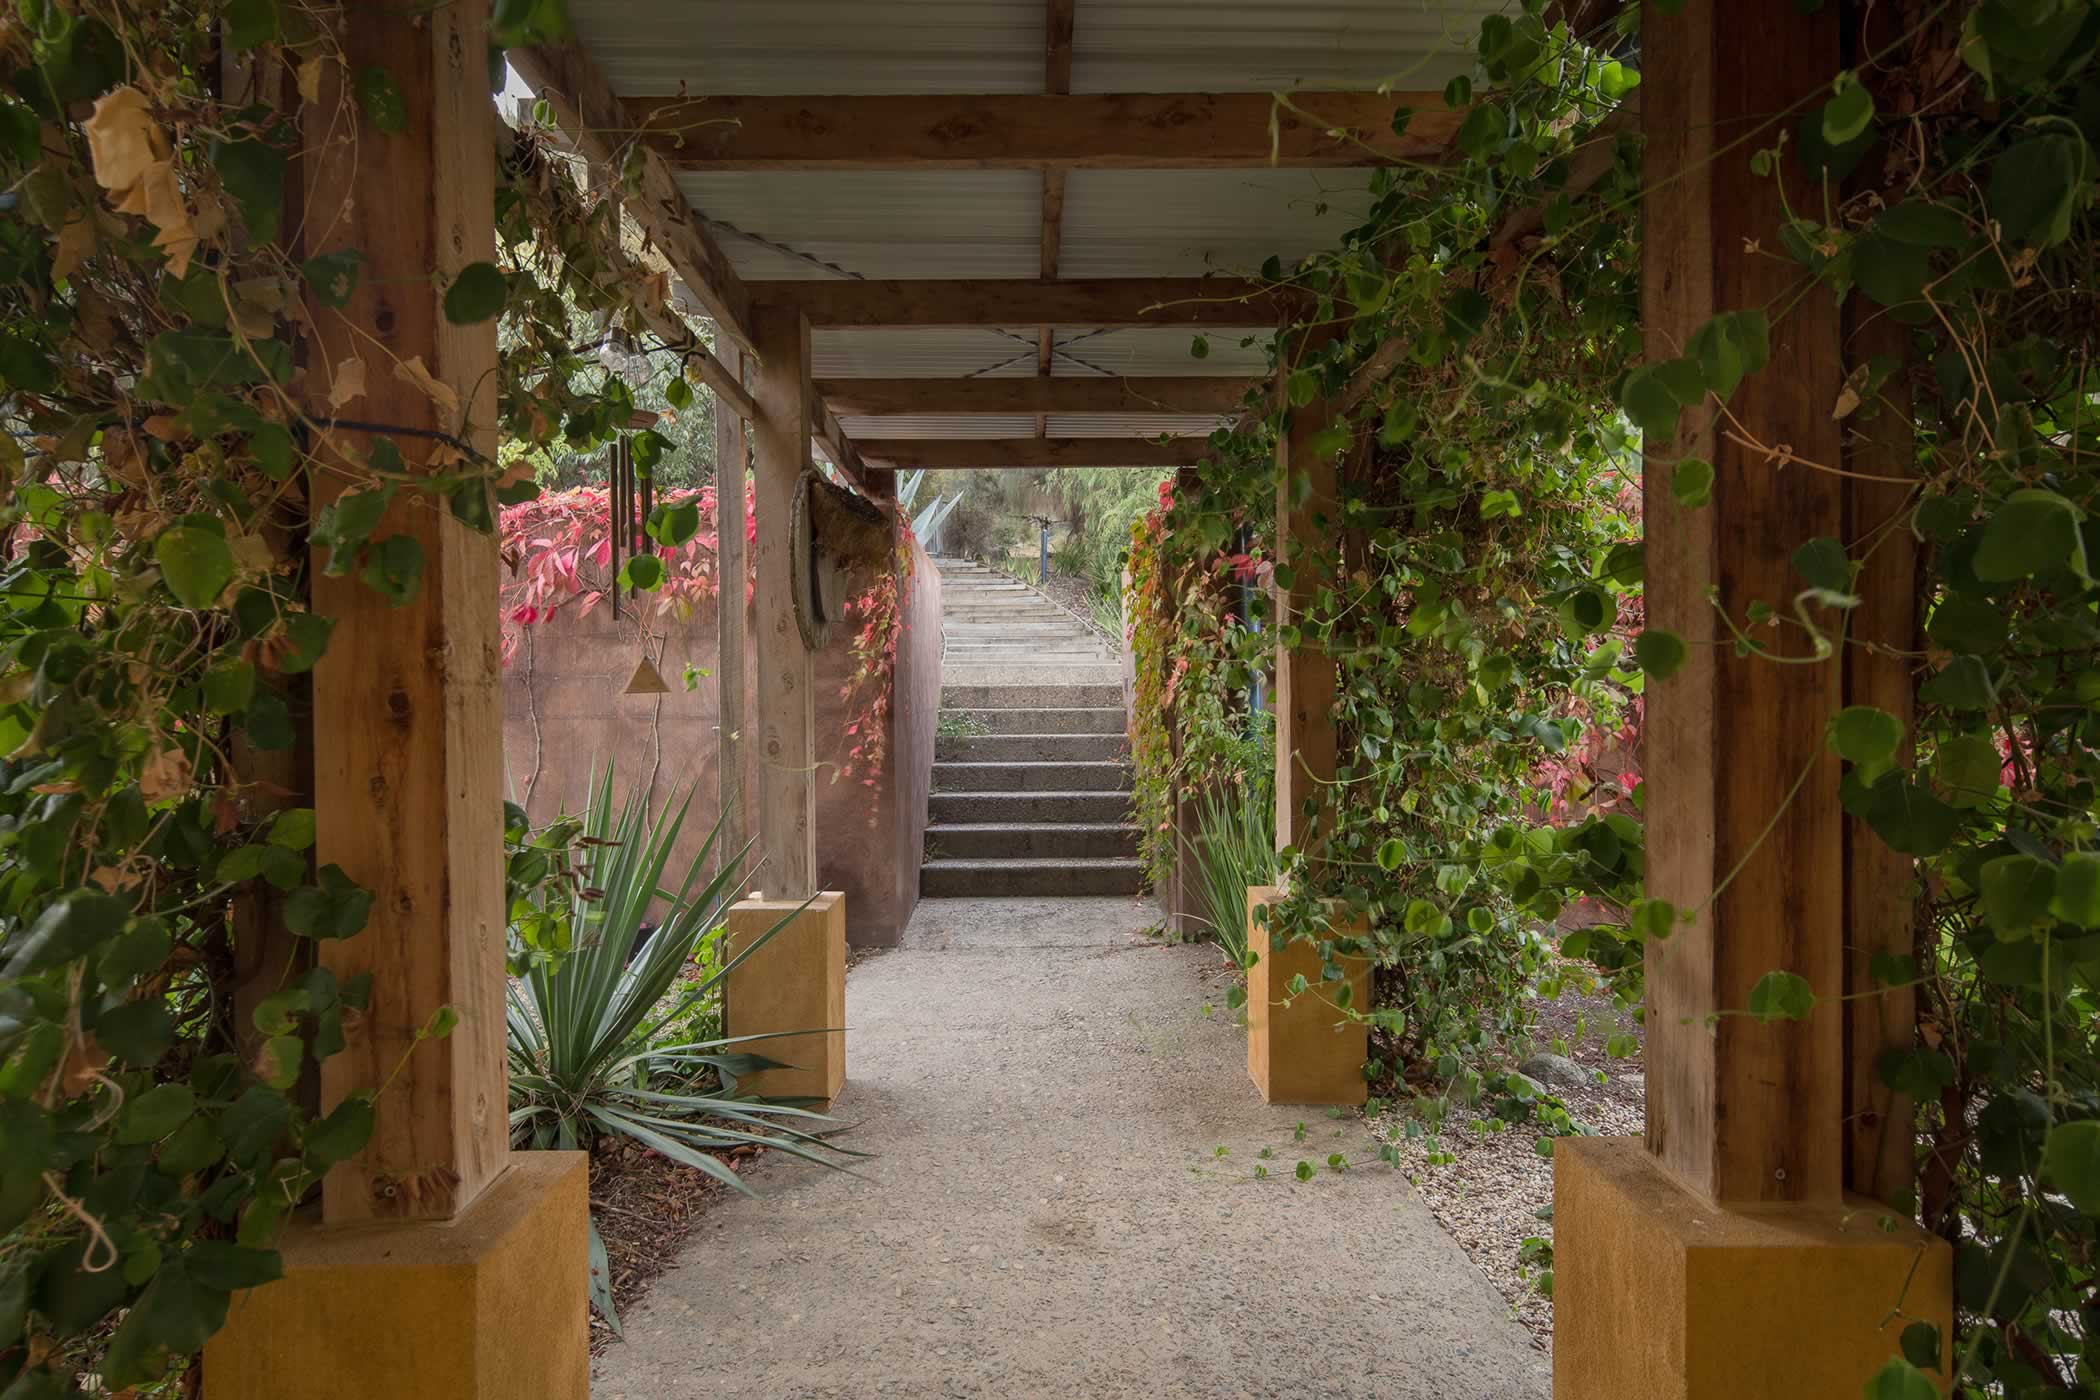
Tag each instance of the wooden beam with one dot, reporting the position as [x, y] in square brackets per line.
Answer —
[875, 398]
[1026, 131]
[408, 761]
[732, 570]
[838, 447]
[1057, 78]
[1106, 302]
[1308, 527]
[586, 107]
[1034, 454]
[787, 713]
[1744, 823]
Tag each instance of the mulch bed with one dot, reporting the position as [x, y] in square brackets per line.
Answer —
[646, 1205]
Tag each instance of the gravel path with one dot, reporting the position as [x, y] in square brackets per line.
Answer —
[1048, 1213]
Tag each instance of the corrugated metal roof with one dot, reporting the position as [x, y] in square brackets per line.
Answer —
[875, 223]
[987, 224]
[1264, 45]
[1096, 425]
[1182, 223]
[652, 47]
[947, 354]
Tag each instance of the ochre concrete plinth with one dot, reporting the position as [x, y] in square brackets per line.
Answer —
[489, 1306]
[1658, 1294]
[795, 982]
[1308, 1051]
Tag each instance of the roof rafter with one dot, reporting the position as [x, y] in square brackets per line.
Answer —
[876, 398]
[592, 115]
[1052, 130]
[963, 454]
[1085, 304]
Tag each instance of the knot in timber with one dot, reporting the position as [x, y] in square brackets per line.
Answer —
[399, 709]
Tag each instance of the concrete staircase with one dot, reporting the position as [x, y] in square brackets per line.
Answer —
[1031, 771]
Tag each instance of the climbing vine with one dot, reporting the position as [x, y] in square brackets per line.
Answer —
[178, 467]
[1478, 338]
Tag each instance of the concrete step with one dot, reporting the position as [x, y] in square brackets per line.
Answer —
[1031, 841]
[953, 879]
[1030, 748]
[1077, 719]
[1031, 777]
[1020, 673]
[1018, 697]
[1011, 808]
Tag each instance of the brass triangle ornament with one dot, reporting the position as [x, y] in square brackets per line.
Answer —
[647, 680]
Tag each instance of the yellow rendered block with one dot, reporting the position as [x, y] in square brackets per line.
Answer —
[491, 1305]
[1660, 1294]
[794, 983]
[1303, 1048]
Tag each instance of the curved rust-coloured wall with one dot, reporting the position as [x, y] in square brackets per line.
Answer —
[565, 714]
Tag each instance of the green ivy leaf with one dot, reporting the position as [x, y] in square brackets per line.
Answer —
[252, 22]
[1848, 114]
[1962, 684]
[343, 525]
[1729, 347]
[673, 523]
[2016, 892]
[1899, 1380]
[1967, 769]
[1824, 563]
[394, 568]
[341, 1135]
[642, 573]
[2033, 532]
[1692, 482]
[1199, 348]
[151, 1116]
[2037, 186]
[1781, 996]
[333, 277]
[1660, 652]
[70, 927]
[2077, 897]
[1390, 853]
[334, 908]
[380, 98]
[476, 295]
[2072, 1162]
[1868, 739]
[196, 563]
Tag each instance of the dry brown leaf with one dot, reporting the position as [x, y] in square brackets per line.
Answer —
[167, 774]
[310, 80]
[165, 426]
[414, 371]
[348, 386]
[1847, 404]
[253, 554]
[124, 141]
[76, 241]
[84, 1061]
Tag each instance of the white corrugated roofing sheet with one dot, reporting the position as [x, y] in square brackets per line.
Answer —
[987, 224]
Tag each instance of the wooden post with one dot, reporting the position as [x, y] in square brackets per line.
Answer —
[1739, 1110]
[787, 717]
[1723, 1255]
[1308, 512]
[732, 570]
[408, 764]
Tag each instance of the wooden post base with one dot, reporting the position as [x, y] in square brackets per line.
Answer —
[795, 983]
[492, 1305]
[1660, 1294]
[1301, 1048]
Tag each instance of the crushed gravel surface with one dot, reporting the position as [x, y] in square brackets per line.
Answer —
[1490, 1192]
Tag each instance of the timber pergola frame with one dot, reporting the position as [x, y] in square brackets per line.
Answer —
[1788, 1118]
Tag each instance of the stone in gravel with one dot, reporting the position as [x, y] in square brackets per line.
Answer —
[1558, 1071]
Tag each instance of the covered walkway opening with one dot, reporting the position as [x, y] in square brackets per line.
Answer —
[1032, 234]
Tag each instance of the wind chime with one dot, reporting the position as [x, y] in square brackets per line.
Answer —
[633, 497]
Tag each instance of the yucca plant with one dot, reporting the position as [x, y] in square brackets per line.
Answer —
[1234, 848]
[589, 1055]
